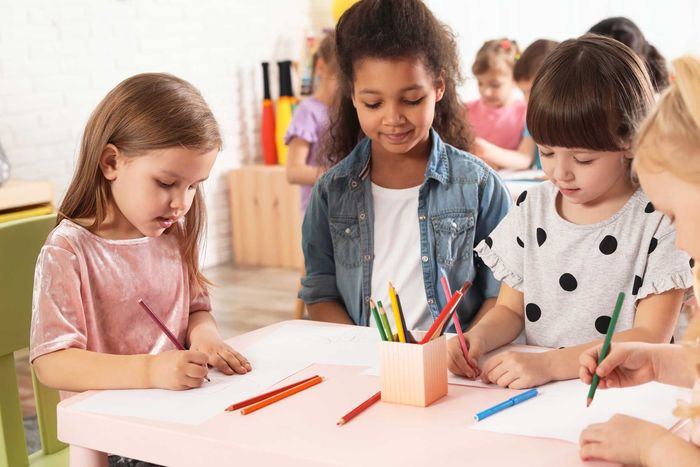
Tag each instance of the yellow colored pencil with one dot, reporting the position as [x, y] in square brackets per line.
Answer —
[397, 313]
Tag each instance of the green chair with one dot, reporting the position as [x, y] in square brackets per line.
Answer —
[20, 242]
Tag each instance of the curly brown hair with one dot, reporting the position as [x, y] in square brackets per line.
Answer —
[390, 30]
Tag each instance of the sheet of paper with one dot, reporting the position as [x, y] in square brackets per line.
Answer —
[461, 380]
[560, 412]
[195, 406]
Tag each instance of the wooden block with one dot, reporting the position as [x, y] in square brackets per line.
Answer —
[19, 193]
[413, 374]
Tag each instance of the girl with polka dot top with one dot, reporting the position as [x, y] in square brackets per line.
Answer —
[668, 165]
[573, 243]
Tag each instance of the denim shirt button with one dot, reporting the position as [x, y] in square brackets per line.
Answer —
[367, 257]
[366, 299]
[347, 231]
[421, 218]
[362, 216]
[353, 184]
[424, 259]
[431, 301]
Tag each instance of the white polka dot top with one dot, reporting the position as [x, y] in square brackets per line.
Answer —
[570, 274]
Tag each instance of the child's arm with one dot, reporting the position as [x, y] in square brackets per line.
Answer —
[203, 335]
[82, 370]
[330, 312]
[633, 363]
[654, 322]
[631, 441]
[496, 156]
[498, 327]
[298, 172]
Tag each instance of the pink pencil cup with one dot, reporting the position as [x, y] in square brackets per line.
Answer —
[413, 374]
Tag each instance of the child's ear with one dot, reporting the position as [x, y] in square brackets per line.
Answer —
[440, 87]
[109, 162]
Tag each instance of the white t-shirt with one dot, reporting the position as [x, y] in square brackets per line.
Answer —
[397, 256]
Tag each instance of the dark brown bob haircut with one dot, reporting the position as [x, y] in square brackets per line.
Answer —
[590, 93]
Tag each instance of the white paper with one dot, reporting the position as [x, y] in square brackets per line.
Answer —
[194, 406]
[560, 412]
[275, 357]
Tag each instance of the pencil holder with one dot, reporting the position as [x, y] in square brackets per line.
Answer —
[413, 374]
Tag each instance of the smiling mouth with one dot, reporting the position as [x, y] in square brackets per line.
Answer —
[397, 137]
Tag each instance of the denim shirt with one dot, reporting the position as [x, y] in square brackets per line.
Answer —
[460, 202]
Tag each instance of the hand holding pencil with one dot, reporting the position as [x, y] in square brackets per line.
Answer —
[456, 362]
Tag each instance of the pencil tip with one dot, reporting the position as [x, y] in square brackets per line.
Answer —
[465, 287]
[341, 422]
[588, 402]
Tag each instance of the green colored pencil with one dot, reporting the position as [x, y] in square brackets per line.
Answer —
[385, 321]
[378, 321]
[606, 346]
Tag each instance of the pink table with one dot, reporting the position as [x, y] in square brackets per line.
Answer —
[301, 430]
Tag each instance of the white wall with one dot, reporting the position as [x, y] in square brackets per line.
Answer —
[59, 58]
[672, 26]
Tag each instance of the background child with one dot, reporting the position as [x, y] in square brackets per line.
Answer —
[310, 121]
[129, 228]
[497, 117]
[524, 72]
[401, 204]
[627, 32]
[574, 242]
[668, 164]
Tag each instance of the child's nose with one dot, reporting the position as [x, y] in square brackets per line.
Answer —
[393, 115]
[178, 201]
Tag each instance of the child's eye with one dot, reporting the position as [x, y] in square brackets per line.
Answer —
[546, 154]
[163, 184]
[374, 105]
[588, 162]
[415, 102]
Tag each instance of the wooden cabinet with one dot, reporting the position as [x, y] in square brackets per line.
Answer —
[266, 217]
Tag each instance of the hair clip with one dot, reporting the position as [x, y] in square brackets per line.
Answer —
[505, 44]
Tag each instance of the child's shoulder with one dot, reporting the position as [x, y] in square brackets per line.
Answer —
[67, 235]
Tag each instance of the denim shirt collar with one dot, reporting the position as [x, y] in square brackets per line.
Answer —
[356, 165]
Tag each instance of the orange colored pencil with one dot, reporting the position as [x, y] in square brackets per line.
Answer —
[359, 409]
[253, 400]
[282, 395]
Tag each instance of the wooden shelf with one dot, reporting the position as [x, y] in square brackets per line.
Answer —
[16, 194]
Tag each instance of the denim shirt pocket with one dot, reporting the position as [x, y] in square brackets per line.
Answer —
[345, 232]
[454, 237]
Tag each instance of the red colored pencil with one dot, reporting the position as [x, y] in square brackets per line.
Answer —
[451, 305]
[359, 409]
[165, 330]
[455, 320]
[282, 395]
[253, 400]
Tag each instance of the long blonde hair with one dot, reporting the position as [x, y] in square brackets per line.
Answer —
[669, 141]
[142, 113]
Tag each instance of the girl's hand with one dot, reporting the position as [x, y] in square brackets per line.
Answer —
[455, 358]
[517, 370]
[177, 369]
[627, 364]
[623, 439]
[222, 356]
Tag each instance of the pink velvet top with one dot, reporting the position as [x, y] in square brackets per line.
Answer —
[86, 291]
[502, 126]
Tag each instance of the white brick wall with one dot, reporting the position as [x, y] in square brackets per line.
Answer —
[59, 58]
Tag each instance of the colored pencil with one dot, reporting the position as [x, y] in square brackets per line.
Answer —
[403, 319]
[253, 400]
[360, 408]
[385, 321]
[455, 319]
[522, 397]
[377, 320]
[397, 316]
[282, 395]
[606, 346]
[445, 313]
[165, 330]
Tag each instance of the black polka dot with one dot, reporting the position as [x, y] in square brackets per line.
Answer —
[489, 241]
[673, 341]
[602, 323]
[521, 198]
[652, 244]
[541, 236]
[568, 282]
[691, 262]
[520, 242]
[637, 285]
[562, 347]
[649, 208]
[532, 312]
[608, 245]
